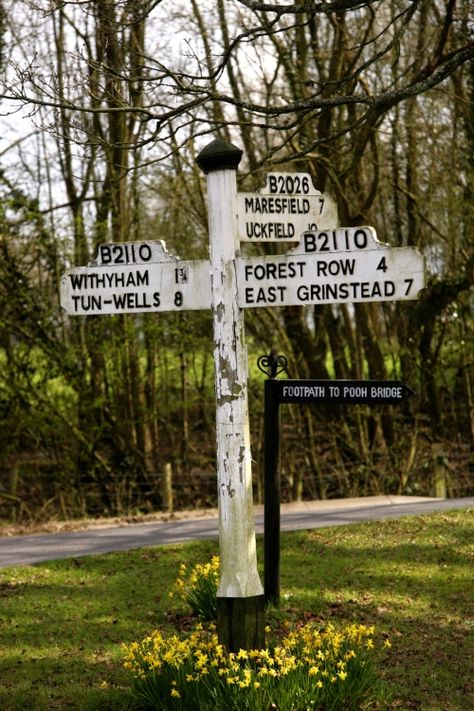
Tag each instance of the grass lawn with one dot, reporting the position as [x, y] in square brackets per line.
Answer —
[62, 623]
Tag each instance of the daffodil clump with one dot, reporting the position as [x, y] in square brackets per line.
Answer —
[309, 669]
[198, 587]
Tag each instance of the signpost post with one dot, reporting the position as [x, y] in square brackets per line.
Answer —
[240, 599]
[271, 365]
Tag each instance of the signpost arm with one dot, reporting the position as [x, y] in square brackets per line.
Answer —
[240, 600]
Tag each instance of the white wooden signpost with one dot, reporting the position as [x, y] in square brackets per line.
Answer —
[328, 265]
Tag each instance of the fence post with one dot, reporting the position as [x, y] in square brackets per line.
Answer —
[440, 471]
[168, 487]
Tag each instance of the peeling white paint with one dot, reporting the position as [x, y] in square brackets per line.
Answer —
[239, 574]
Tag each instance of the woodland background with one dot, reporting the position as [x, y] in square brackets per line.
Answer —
[105, 105]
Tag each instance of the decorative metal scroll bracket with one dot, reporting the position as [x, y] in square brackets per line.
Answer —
[272, 364]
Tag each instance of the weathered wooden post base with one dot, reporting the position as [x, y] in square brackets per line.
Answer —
[241, 622]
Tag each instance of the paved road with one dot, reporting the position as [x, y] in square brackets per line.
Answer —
[27, 550]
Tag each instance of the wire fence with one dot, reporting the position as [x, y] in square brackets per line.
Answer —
[436, 470]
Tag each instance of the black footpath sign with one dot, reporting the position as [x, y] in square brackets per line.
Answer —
[340, 392]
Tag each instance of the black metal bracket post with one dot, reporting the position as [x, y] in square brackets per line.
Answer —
[271, 365]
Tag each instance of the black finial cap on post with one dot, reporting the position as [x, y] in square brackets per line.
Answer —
[218, 155]
[272, 364]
